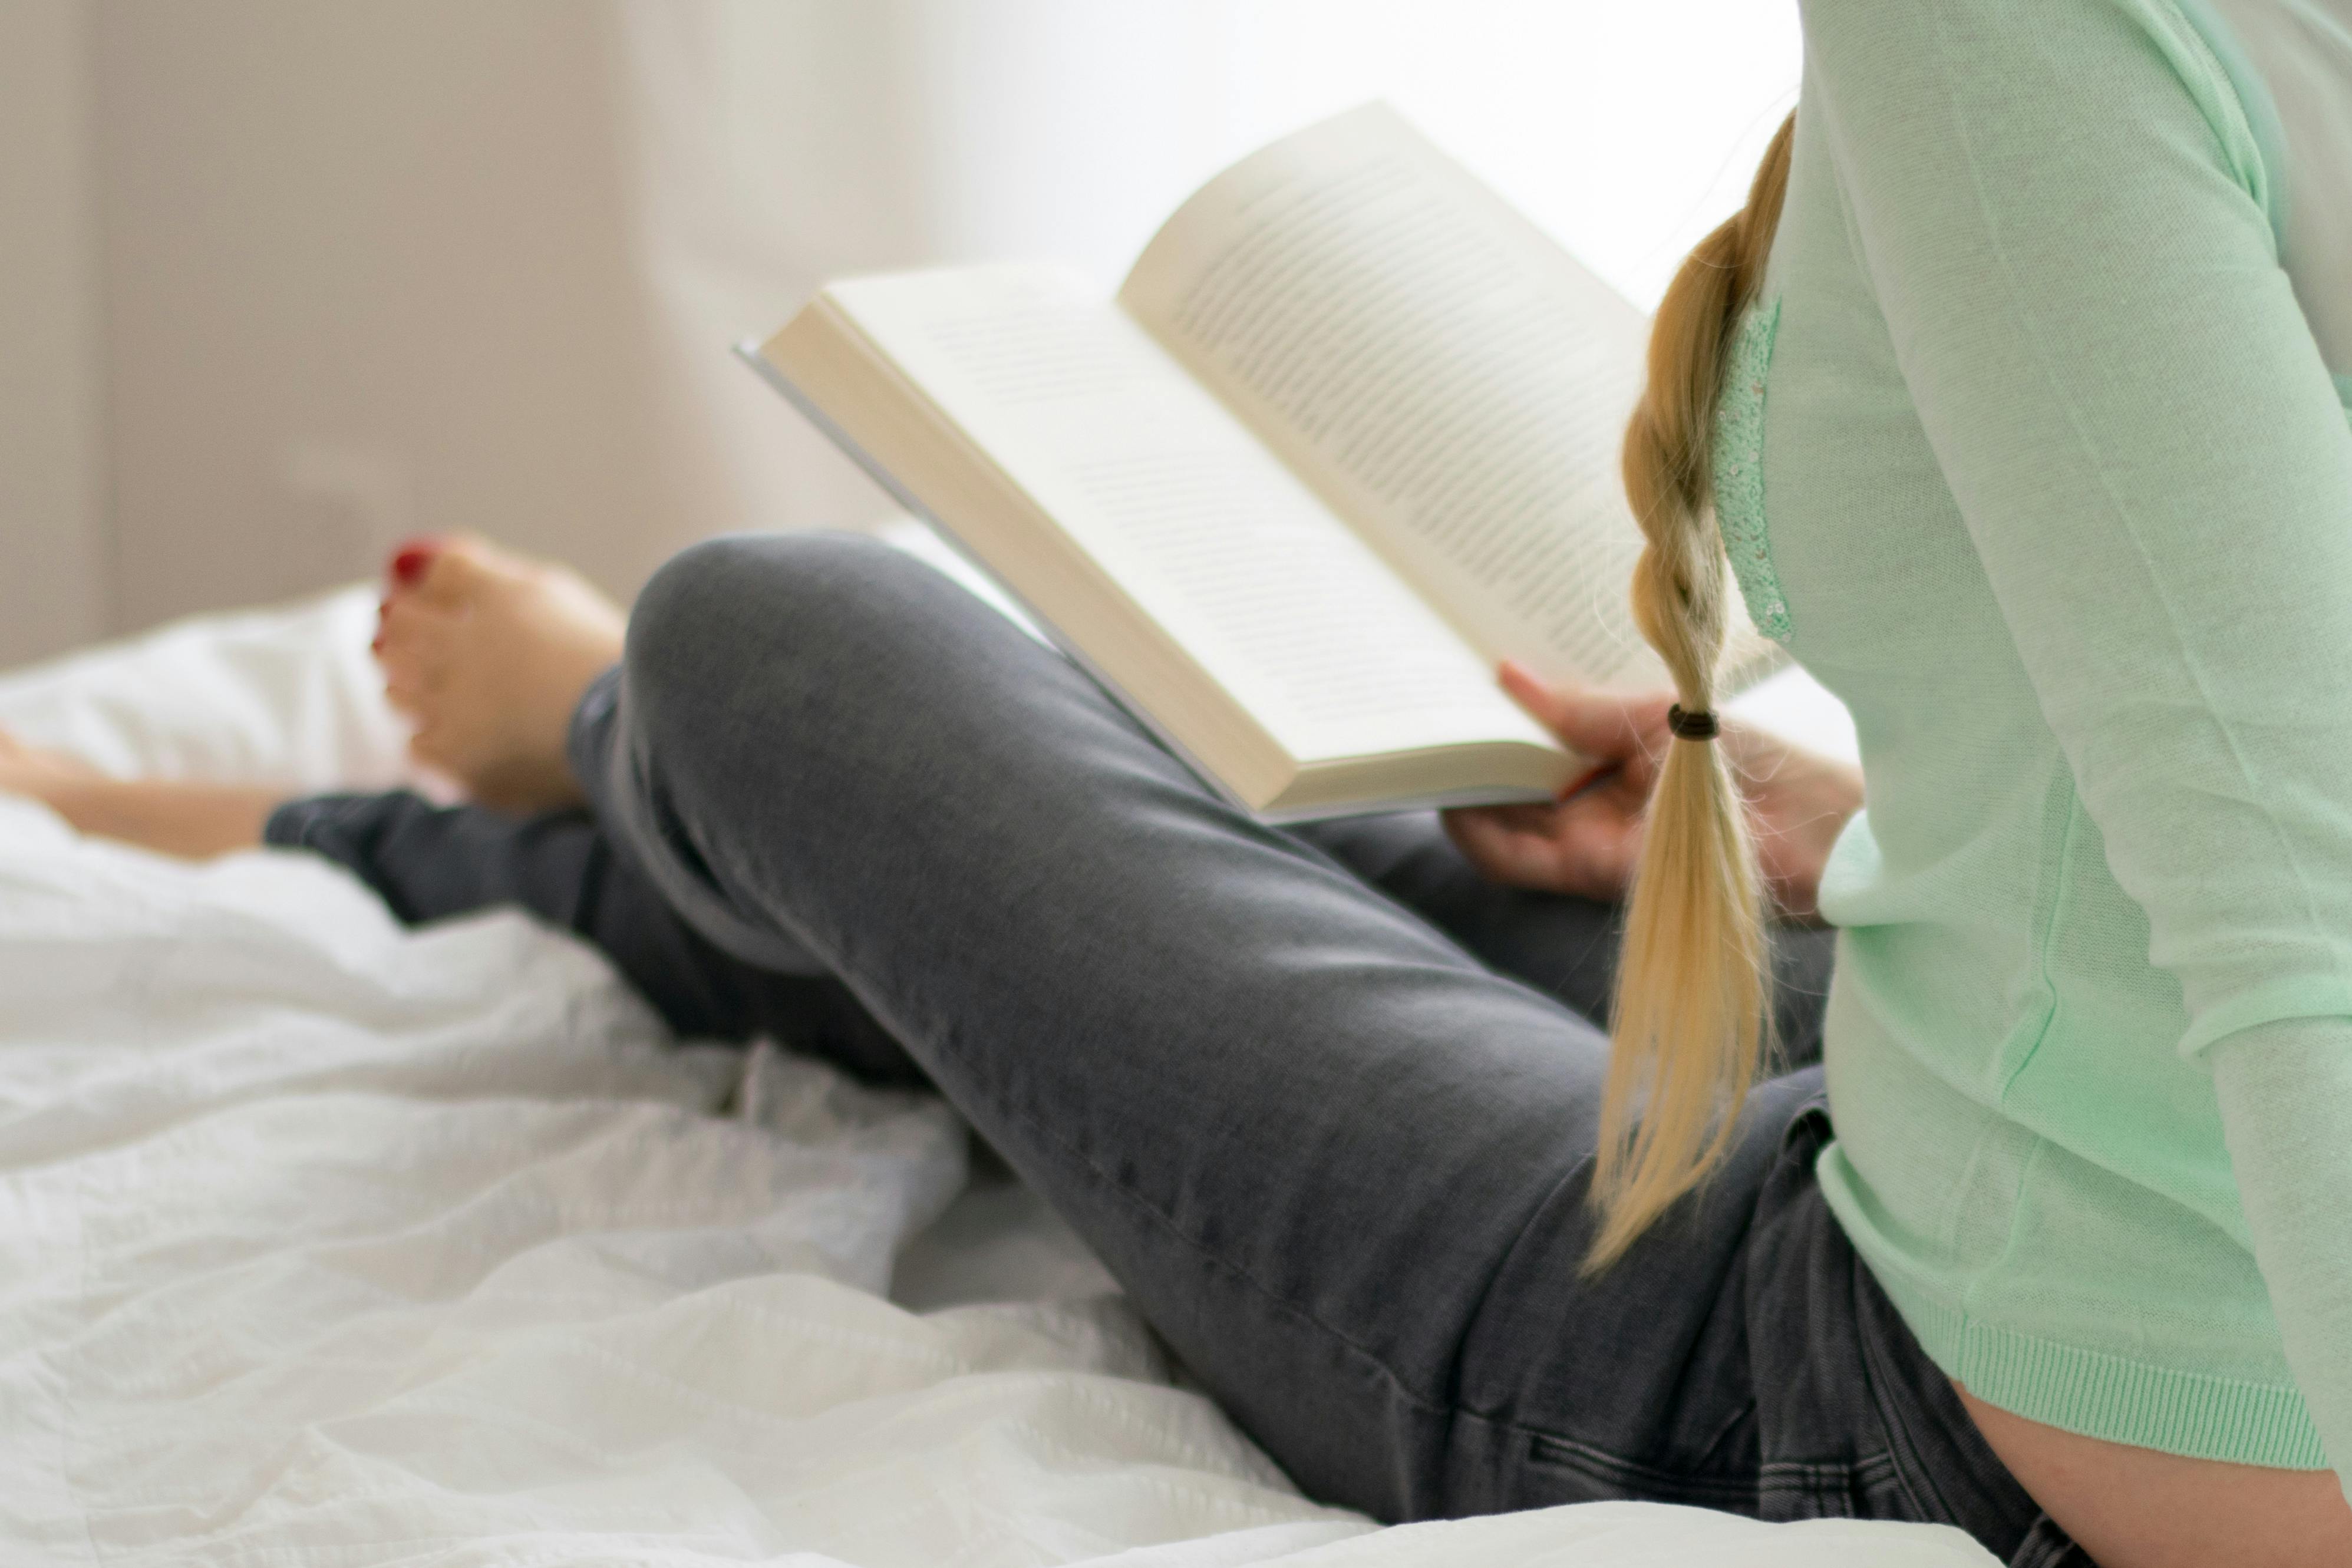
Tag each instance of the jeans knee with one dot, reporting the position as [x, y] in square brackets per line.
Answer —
[746, 626]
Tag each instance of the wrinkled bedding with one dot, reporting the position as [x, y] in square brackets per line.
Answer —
[324, 1241]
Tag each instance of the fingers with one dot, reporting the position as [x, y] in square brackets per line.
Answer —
[1609, 728]
[1586, 841]
[1584, 848]
[1495, 840]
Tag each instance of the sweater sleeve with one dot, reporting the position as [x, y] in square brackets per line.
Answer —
[2287, 1100]
[2060, 210]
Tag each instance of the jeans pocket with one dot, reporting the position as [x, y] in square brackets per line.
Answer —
[1777, 1490]
[1576, 1471]
[1867, 1488]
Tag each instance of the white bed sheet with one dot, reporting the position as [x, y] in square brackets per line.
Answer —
[326, 1242]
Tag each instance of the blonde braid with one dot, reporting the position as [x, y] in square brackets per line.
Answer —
[1690, 1018]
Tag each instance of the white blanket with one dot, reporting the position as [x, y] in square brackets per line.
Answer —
[322, 1242]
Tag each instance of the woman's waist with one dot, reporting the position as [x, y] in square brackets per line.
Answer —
[2140, 1508]
[2085, 1293]
[1994, 1046]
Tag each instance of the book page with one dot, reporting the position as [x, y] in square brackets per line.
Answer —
[1451, 380]
[1185, 511]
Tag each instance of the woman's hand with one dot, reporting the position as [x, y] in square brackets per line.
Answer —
[1587, 841]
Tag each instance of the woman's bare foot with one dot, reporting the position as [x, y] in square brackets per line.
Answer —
[487, 652]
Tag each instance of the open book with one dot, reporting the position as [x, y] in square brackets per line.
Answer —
[1346, 437]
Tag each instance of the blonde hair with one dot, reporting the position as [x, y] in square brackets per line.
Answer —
[1690, 1021]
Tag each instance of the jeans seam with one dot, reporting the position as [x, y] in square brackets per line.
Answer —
[1165, 1223]
[1454, 1403]
[1915, 1478]
[606, 692]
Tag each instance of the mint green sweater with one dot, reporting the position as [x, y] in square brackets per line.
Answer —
[2045, 475]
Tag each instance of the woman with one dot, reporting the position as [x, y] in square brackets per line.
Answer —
[2008, 393]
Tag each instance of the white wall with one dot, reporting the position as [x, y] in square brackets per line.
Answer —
[53, 544]
[371, 268]
[367, 273]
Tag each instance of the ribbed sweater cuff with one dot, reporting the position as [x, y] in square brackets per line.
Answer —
[2105, 1395]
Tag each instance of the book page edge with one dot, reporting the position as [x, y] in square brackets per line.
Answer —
[752, 352]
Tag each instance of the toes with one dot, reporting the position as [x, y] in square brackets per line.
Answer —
[410, 695]
[429, 745]
[452, 579]
[410, 561]
[466, 569]
[413, 649]
[411, 630]
[439, 569]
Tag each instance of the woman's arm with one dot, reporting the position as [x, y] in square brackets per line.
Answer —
[2286, 1099]
[2059, 207]
[193, 821]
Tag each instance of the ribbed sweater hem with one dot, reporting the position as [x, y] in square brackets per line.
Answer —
[2102, 1394]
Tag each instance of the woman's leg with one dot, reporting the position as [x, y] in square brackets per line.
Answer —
[430, 863]
[1564, 947]
[489, 651]
[1339, 1163]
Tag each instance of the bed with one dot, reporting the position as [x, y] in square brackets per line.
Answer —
[331, 1242]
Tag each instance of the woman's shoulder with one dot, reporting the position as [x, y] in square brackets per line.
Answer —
[2291, 64]
[2020, 102]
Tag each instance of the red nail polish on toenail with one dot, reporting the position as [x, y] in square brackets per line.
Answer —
[409, 564]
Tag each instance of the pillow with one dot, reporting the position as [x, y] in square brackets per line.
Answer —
[286, 695]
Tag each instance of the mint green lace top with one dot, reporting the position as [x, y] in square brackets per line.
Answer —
[2051, 484]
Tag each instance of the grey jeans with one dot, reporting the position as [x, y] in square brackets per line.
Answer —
[1323, 1100]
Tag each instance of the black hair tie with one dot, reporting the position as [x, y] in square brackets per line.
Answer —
[1699, 726]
